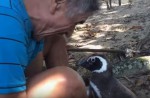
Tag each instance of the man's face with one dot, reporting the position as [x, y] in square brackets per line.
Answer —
[63, 23]
[59, 22]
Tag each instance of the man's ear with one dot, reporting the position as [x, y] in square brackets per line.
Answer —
[55, 5]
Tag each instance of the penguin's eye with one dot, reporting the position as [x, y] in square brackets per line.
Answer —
[93, 60]
[90, 61]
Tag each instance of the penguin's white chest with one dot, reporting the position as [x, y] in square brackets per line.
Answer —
[95, 88]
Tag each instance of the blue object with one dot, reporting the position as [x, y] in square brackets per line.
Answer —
[17, 47]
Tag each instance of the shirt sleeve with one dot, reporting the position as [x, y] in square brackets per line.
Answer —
[13, 55]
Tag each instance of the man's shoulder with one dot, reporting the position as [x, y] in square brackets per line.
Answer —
[5, 3]
[11, 4]
[14, 6]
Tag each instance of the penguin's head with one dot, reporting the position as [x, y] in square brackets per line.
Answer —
[95, 63]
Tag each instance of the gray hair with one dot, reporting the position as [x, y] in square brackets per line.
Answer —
[76, 7]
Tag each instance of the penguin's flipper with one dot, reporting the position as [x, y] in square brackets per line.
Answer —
[121, 90]
[92, 94]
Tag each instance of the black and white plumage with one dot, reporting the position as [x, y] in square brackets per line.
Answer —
[102, 83]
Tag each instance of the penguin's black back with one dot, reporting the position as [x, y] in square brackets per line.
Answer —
[112, 88]
[118, 90]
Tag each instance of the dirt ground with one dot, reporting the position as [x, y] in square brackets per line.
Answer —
[122, 27]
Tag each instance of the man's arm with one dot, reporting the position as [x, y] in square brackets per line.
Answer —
[55, 52]
[36, 66]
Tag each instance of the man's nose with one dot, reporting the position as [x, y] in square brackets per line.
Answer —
[80, 22]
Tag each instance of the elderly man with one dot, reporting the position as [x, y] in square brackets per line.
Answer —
[32, 31]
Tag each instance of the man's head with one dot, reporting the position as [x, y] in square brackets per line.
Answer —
[57, 16]
[81, 7]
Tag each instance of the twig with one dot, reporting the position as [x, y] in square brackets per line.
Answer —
[97, 50]
[127, 52]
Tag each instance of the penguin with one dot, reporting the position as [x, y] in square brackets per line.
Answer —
[103, 84]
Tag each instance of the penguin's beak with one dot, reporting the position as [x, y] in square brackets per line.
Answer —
[82, 62]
